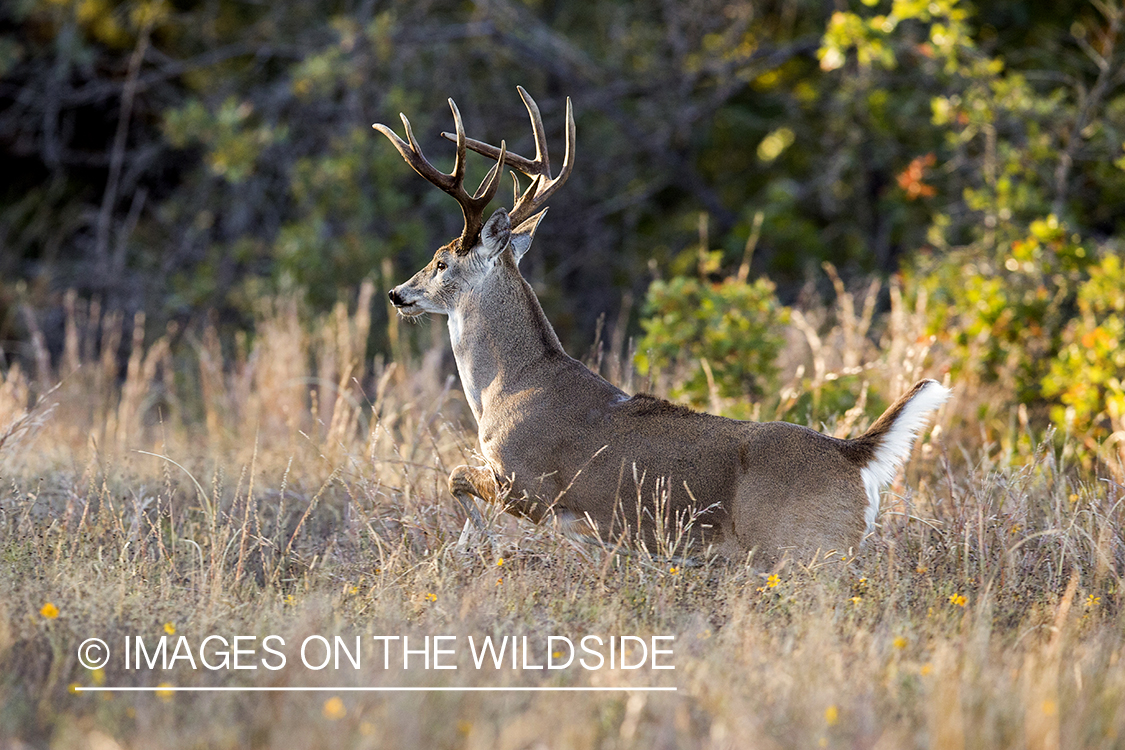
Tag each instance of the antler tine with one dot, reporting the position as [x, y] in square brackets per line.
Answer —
[472, 206]
[544, 186]
[541, 157]
[538, 169]
[412, 154]
[459, 163]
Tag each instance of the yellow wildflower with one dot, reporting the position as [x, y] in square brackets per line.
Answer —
[50, 611]
[958, 600]
[831, 715]
[773, 581]
[334, 708]
[169, 628]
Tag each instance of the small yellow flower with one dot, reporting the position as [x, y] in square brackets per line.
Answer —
[899, 642]
[857, 599]
[673, 570]
[499, 581]
[773, 581]
[169, 628]
[430, 597]
[50, 611]
[556, 654]
[73, 687]
[926, 669]
[98, 676]
[164, 693]
[1073, 498]
[1092, 601]
[958, 600]
[499, 561]
[334, 709]
[831, 715]
[290, 599]
[1050, 708]
[921, 569]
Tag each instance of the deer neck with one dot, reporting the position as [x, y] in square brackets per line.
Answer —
[499, 335]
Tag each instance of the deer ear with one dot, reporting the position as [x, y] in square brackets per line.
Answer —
[524, 234]
[496, 233]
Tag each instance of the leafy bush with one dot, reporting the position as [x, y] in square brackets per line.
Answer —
[1001, 315]
[1088, 375]
[732, 328]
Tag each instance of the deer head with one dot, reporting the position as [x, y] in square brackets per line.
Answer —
[468, 261]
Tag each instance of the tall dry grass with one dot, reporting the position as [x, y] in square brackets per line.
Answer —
[283, 483]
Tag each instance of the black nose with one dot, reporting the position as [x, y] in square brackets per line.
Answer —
[396, 300]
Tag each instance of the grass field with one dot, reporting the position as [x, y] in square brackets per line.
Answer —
[284, 486]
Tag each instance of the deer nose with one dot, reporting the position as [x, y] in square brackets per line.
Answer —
[396, 298]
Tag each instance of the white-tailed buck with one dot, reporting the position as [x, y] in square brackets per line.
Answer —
[563, 444]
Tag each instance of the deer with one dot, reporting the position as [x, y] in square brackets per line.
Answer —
[562, 445]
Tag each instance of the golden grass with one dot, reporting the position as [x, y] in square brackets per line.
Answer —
[285, 485]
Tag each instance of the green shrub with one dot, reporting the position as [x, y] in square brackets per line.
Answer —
[1088, 376]
[732, 327]
[1001, 314]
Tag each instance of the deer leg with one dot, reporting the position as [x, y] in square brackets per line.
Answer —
[466, 482]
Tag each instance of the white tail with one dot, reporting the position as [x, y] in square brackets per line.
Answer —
[562, 444]
[895, 444]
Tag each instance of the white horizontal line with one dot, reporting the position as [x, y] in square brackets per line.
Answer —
[182, 689]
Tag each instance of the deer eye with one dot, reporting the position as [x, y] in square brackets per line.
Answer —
[441, 266]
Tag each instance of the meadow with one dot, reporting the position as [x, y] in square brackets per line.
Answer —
[286, 484]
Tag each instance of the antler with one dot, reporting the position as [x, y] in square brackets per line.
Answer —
[472, 206]
[539, 170]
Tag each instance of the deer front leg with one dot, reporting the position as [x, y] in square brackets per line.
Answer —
[466, 482]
